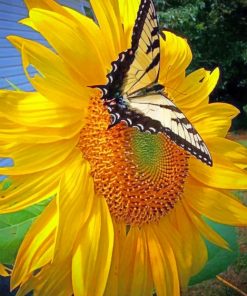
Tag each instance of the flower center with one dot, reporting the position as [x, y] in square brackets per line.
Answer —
[140, 175]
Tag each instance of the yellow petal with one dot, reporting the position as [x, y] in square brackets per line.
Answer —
[128, 11]
[33, 110]
[222, 174]
[78, 52]
[176, 241]
[213, 120]
[135, 276]
[162, 261]
[194, 90]
[112, 286]
[75, 200]
[50, 5]
[203, 227]
[4, 271]
[93, 251]
[111, 27]
[55, 81]
[232, 151]
[45, 4]
[14, 132]
[86, 25]
[30, 158]
[93, 33]
[194, 248]
[37, 248]
[215, 204]
[74, 204]
[60, 285]
[175, 56]
[26, 190]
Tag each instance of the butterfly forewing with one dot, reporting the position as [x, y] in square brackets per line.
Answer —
[138, 66]
[144, 69]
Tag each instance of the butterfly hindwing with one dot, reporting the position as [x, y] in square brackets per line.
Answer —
[157, 114]
[173, 123]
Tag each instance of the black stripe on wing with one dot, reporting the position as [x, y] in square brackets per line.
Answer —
[143, 11]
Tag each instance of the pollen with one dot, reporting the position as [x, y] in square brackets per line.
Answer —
[140, 175]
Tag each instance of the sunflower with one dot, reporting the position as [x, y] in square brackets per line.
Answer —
[126, 212]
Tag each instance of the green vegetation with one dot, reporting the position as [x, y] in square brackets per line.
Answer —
[216, 31]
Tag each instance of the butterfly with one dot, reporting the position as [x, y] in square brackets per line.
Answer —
[133, 95]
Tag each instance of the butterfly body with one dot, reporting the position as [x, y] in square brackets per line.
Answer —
[133, 95]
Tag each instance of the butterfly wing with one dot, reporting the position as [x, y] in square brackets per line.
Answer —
[144, 69]
[165, 117]
[138, 66]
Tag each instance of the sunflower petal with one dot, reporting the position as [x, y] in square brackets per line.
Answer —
[192, 240]
[223, 174]
[194, 91]
[46, 4]
[4, 271]
[93, 33]
[128, 11]
[34, 110]
[210, 122]
[232, 151]
[14, 132]
[76, 193]
[31, 158]
[134, 276]
[175, 57]
[204, 229]
[36, 253]
[26, 190]
[111, 26]
[93, 251]
[80, 54]
[112, 286]
[62, 279]
[176, 241]
[215, 204]
[163, 263]
[54, 80]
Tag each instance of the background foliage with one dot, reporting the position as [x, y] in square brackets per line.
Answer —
[217, 33]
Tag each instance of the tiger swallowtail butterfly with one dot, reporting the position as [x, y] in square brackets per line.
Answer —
[133, 95]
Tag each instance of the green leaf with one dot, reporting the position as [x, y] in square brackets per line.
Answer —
[218, 259]
[13, 228]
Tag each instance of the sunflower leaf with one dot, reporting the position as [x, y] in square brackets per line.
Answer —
[13, 228]
[218, 259]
